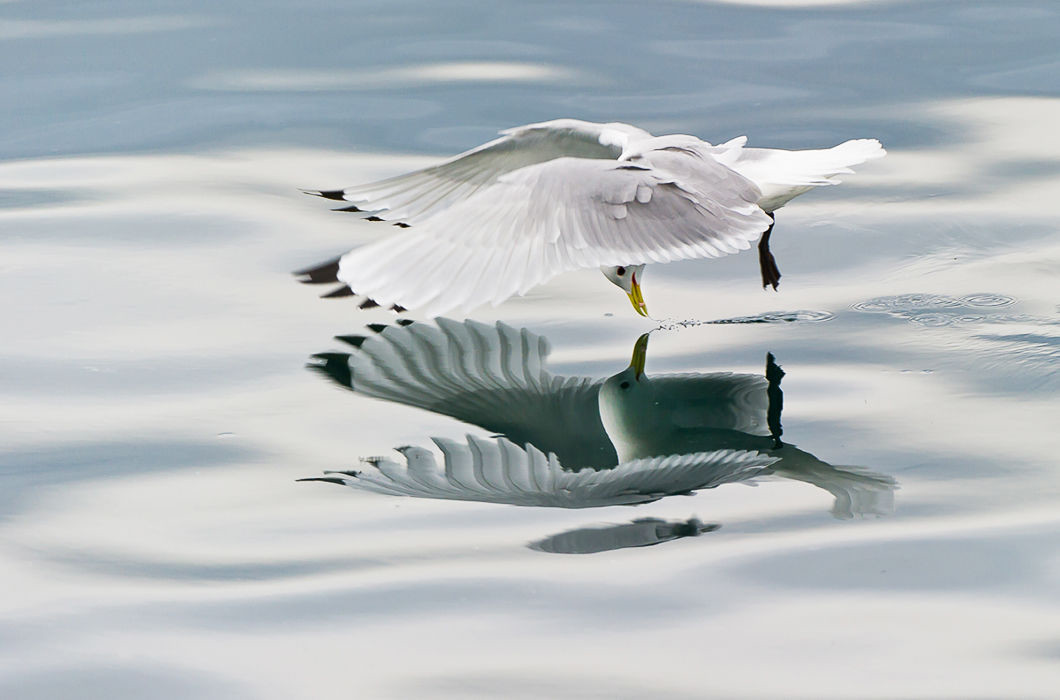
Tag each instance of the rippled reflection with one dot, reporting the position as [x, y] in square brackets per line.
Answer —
[575, 442]
[642, 532]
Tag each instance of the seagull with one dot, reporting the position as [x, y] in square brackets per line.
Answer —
[571, 441]
[566, 194]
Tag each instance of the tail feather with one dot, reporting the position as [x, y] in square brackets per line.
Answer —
[783, 175]
[838, 160]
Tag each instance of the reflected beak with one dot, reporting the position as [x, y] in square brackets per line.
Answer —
[640, 356]
[637, 299]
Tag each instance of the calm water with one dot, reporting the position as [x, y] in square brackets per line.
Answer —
[157, 409]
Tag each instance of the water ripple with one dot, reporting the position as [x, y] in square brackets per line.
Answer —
[906, 302]
[802, 315]
[987, 299]
[935, 310]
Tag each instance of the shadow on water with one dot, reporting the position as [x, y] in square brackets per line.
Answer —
[119, 680]
[577, 442]
[26, 474]
[642, 532]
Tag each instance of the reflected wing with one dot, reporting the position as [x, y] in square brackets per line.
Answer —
[412, 197]
[531, 224]
[721, 400]
[499, 471]
[490, 376]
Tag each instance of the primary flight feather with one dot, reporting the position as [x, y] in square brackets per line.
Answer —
[547, 198]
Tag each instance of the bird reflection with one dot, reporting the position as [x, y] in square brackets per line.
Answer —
[575, 442]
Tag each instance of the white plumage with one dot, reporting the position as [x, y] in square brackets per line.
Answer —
[566, 194]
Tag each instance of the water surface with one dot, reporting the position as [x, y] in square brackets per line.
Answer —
[157, 409]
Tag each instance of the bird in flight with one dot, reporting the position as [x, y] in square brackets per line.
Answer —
[566, 194]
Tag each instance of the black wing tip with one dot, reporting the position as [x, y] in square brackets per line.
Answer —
[324, 273]
[337, 195]
[346, 291]
[358, 340]
[327, 479]
[328, 273]
[354, 340]
[353, 208]
[333, 365]
[343, 291]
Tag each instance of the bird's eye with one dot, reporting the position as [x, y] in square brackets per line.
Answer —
[623, 385]
[621, 271]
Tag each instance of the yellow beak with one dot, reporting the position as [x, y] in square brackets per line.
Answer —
[640, 355]
[637, 299]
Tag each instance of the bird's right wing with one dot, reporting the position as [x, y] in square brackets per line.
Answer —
[498, 471]
[493, 376]
[569, 213]
[415, 196]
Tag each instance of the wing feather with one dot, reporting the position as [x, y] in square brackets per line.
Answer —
[493, 376]
[498, 471]
[536, 222]
[423, 193]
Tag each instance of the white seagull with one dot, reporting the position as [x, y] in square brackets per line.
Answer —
[566, 194]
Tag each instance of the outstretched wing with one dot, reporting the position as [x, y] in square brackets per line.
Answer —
[412, 197]
[490, 376]
[498, 471]
[536, 222]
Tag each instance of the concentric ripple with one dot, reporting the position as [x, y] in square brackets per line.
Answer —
[907, 302]
[987, 299]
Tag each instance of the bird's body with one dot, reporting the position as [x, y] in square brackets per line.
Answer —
[566, 194]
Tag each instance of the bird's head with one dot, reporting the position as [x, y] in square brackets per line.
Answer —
[626, 403]
[631, 381]
[628, 278]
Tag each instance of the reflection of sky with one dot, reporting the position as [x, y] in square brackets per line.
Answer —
[155, 411]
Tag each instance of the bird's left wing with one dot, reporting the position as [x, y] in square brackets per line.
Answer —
[499, 471]
[569, 213]
[493, 376]
[415, 196]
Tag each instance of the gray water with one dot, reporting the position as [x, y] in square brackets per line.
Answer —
[157, 410]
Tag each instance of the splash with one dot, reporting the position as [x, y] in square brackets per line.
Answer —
[802, 316]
